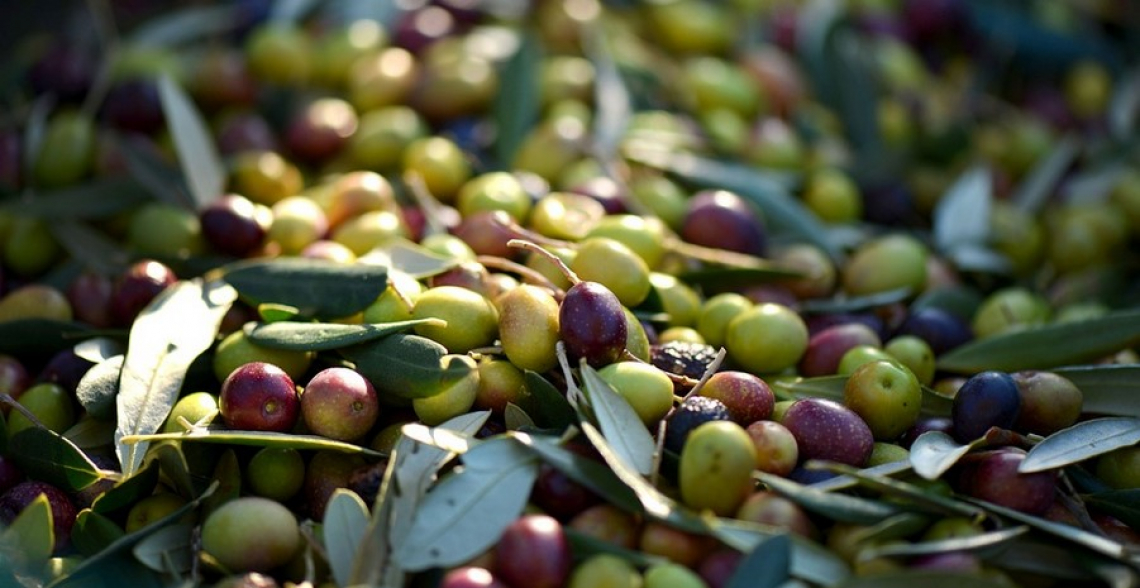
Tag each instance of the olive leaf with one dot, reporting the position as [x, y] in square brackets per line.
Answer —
[99, 198]
[839, 507]
[810, 561]
[623, 429]
[466, 512]
[410, 472]
[44, 455]
[173, 466]
[933, 453]
[516, 418]
[158, 357]
[409, 257]
[292, 11]
[161, 179]
[301, 336]
[128, 491]
[253, 438]
[1122, 504]
[169, 550]
[315, 287]
[344, 525]
[98, 349]
[1046, 346]
[93, 531]
[611, 97]
[550, 407]
[962, 214]
[1034, 191]
[1106, 389]
[1124, 109]
[187, 24]
[768, 565]
[517, 104]
[80, 576]
[1081, 441]
[201, 165]
[1093, 542]
[981, 543]
[94, 249]
[877, 479]
[98, 387]
[839, 304]
[91, 433]
[26, 337]
[587, 472]
[406, 366]
[30, 538]
[585, 546]
[932, 579]
[35, 129]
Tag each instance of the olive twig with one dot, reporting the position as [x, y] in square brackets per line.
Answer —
[554, 259]
[426, 202]
[573, 393]
[529, 275]
[20, 408]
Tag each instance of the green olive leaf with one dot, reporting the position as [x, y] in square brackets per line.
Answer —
[93, 531]
[91, 433]
[315, 287]
[611, 97]
[30, 538]
[1122, 504]
[162, 180]
[587, 472]
[1081, 441]
[35, 129]
[768, 565]
[46, 456]
[184, 25]
[169, 550]
[302, 336]
[93, 248]
[731, 277]
[1106, 389]
[98, 388]
[910, 579]
[962, 215]
[252, 438]
[80, 576]
[838, 507]
[624, 430]
[98, 349]
[810, 561]
[982, 544]
[128, 491]
[550, 408]
[409, 257]
[877, 479]
[411, 470]
[1047, 346]
[516, 418]
[174, 467]
[933, 453]
[467, 511]
[292, 11]
[29, 337]
[584, 546]
[159, 356]
[1076, 536]
[344, 526]
[1124, 109]
[517, 106]
[406, 366]
[96, 199]
[201, 165]
[839, 304]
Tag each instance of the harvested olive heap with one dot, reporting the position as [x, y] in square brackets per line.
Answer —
[572, 294]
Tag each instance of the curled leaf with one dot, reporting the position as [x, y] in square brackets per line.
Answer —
[406, 366]
[301, 336]
[1081, 441]
[315, 287]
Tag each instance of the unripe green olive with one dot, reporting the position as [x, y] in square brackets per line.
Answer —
[297, 222]
[369, 230]
[472, 321]
[644, 235]
[391, 305]
[767, 338]
[528, 327]
[165, 231]
[716, 467]
[647, 389]
[338, 50]
[251, 534]
[565, 215]
[280, 53]
[550, 147]
[383, 135]
[678, 299]
[834, 197]
[50, 403]
[265, 177]
[605, 570]
[30, 248]
[35, 301]
[237, 350]
[67, 152]
[716, 314]
[440, 163]
[494, 191]
[383, 79]
[615, 266]
[886, 263]
[455, 399]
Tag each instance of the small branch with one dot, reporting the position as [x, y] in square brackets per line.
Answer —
[554, 259]
[529, 275]
[427, 203]
[20, 408]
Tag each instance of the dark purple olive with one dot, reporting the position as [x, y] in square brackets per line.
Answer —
[988, 399]
[940, 329]
[134, 105]
[592, 324]
[724, 220]
[235, 225]
[992, 476]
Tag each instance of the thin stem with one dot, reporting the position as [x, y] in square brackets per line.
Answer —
[558, 263]
[529, 275]
[427, 203]
[20, 408]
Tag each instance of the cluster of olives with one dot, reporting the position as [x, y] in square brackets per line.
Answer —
[341, 139]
